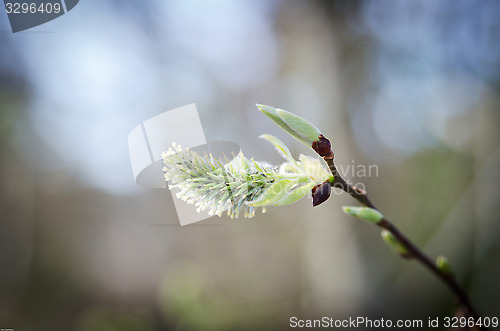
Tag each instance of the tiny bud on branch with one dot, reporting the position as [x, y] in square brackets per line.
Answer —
[394, 244]
[321, 193]
[323, 147]
[366, 214]
[444, 265]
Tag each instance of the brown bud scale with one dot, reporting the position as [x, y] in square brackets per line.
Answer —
[321, 193]
[323, 147]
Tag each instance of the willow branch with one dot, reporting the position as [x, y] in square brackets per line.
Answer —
[413, 251]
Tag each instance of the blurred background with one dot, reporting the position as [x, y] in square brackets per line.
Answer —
[409, 87]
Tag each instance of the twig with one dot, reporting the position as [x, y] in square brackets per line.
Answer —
[413, 250]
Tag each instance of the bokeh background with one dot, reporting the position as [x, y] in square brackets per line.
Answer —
[411, 87]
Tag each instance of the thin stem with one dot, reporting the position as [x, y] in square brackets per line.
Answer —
[413, 250]
[418, 255]
[339, 182]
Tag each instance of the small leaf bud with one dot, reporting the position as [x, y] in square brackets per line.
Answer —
[444, 265]
[366, 214]
[321, 193]
[394, 244]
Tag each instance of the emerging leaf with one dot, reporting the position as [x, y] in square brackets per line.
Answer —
[314, 169]
[294, 125]
[280, 147]
[273, 193]
[302, 126]
[366, 214]
[295, 195]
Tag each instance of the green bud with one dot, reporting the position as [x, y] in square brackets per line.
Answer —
[294, 125]
[302, 126]
[366, 214]
[394, 244]
[444, 265]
